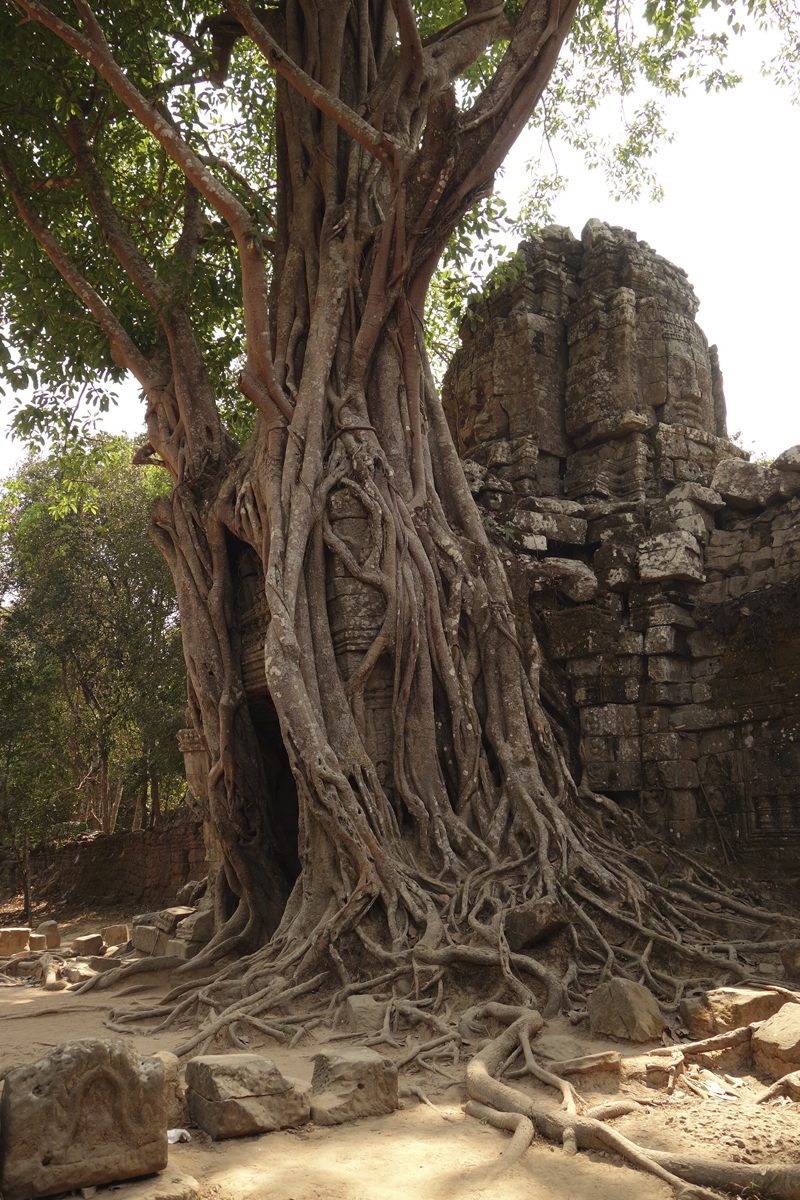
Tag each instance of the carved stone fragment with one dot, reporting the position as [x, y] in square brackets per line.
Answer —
[87, 1113]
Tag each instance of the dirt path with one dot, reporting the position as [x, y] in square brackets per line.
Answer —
[420, 1152]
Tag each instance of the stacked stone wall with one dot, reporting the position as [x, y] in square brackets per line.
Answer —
[129, 870]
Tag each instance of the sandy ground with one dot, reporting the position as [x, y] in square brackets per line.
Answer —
[419, 1152]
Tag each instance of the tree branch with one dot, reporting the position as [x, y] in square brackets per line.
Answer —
[365, 134]
[123, 350]
[96, 51]
[117, 237]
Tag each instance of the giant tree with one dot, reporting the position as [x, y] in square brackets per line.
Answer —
[258, 258]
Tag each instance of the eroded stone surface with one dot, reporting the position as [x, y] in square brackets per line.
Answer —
[624, 1009]
[365, 1014]
[350, 1083]
[116, 935]
[90, 943]
[234, 1095]
[530, 923]
[51, 932]
[14, 939]
[87, 1113]
[776, 1044]
[722, 1009]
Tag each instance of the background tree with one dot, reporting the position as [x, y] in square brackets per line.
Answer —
[92, 669]
[279, 237]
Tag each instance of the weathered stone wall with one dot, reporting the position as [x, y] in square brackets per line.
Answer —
[661, 567]
[130, 870]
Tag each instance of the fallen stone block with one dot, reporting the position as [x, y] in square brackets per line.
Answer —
[624, 1009]
[168, 918]
[174, 1091]
[530, 923]
[37, 942]
[77, 972]
[181, 949]
[235, 1095]
[352, 1083]
[198, 927]
[100, 963]
[50, 931]
[365, 1014]
[149, 940]
[185, 893]
[14, 939]
[90, 943]
[722, 1009]
[776, 1043]
[790, 957]
[789, 460]
[116, 935]
[87, 1113]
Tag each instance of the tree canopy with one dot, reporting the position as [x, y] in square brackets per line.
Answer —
[91, 668]
[55, 355]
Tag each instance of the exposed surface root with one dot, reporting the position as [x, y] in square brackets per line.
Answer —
[690, 1176]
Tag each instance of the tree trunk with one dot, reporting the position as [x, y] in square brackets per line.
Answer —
[155, 801]
[139, 813]
[105, 796]
[392, 778]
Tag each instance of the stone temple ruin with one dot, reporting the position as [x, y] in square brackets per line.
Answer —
[658, 567]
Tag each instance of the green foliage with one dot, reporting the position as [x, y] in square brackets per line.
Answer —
[56, 373]
[91, 675]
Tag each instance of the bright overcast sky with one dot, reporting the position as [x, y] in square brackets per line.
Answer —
[729, 218]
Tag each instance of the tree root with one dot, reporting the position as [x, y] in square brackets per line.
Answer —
[789, 1085]
[688, 1175]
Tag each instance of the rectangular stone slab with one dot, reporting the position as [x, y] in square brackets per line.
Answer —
[87, 1113]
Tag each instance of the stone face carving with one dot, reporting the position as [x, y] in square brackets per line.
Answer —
[590, 415]
[87, 1113]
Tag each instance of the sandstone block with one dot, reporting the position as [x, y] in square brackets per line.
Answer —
[722, 1009]
[671, 556]
[77, 972]
[789, 460]
[116, 935]
[50, 931]
[90, 943]
[235, 1095]
[624, 1009]
[100, 963]
[776, 1044]
[351, 1083]
[149, 940]
[14, 939]
[749, 485]
[568, 576]
[790, 957]
[87, 1113]
[37, 942]
[365, 1014]
[530, 923]
[199, 927]
[174, 1092]
[185, 893]
[168, 918]
[178, 948]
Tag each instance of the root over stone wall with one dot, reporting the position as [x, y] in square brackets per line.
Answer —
[659, 569]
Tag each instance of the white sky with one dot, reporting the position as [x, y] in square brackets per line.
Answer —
[729, 217]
